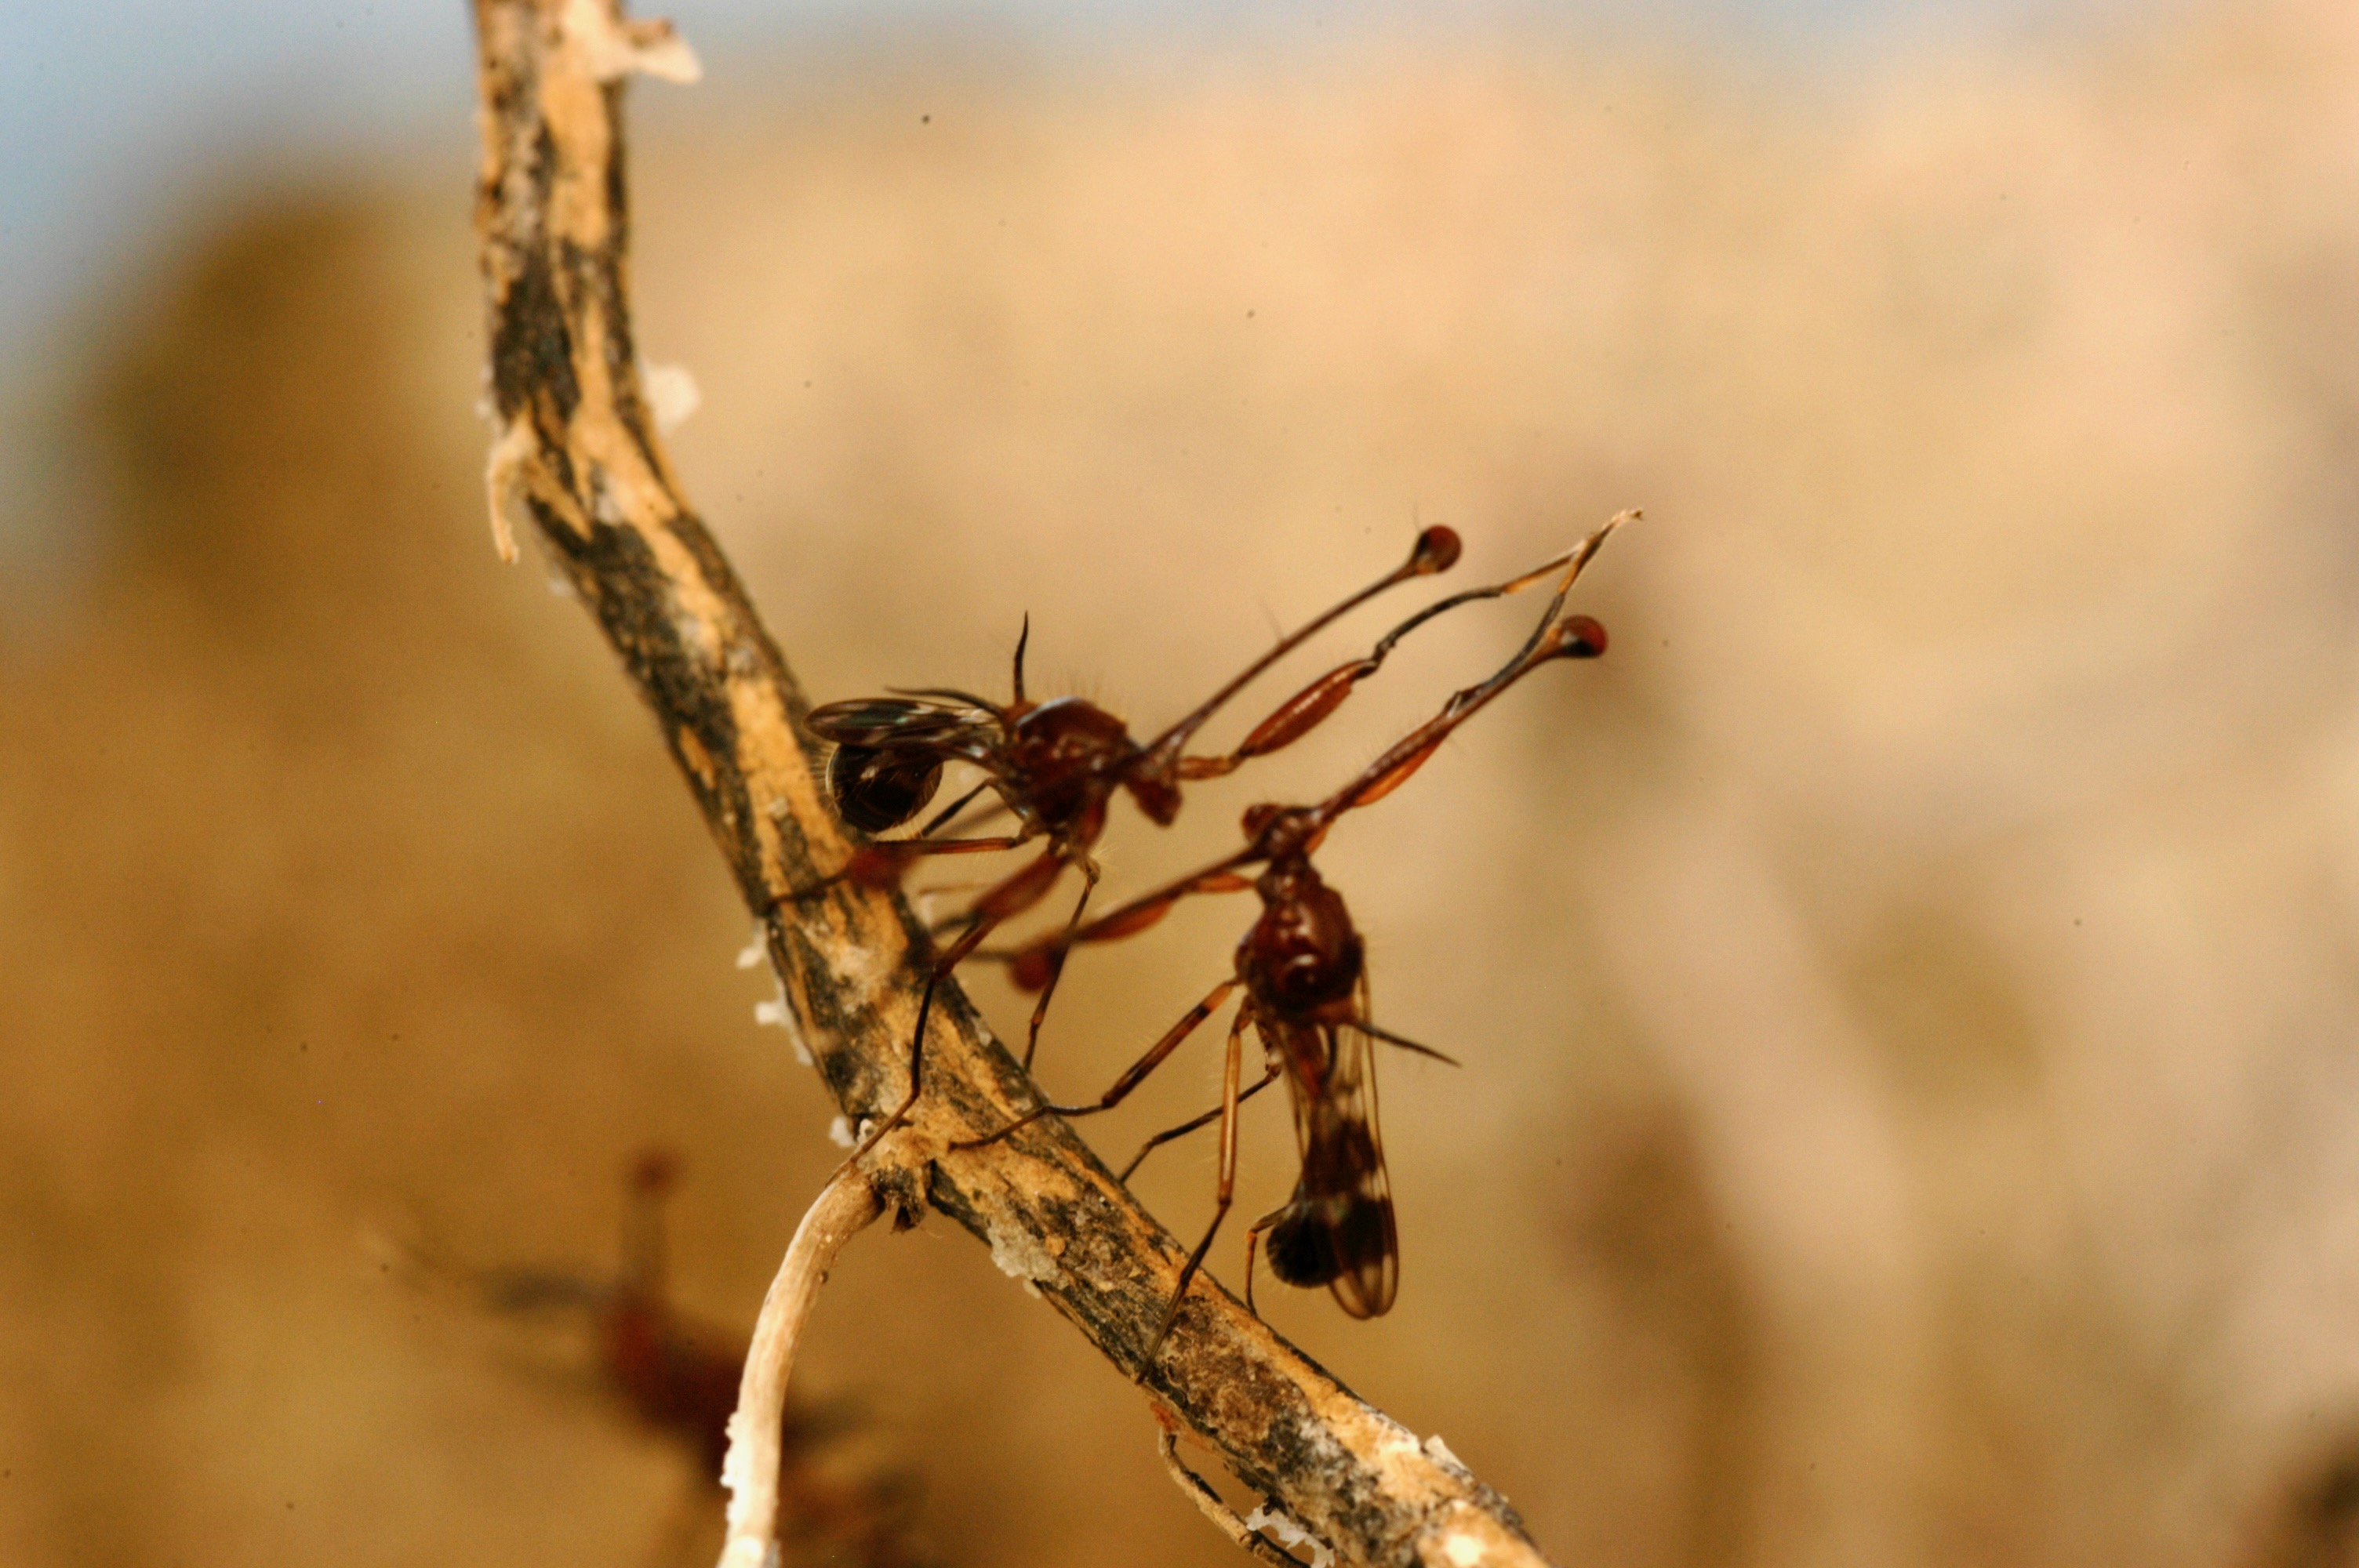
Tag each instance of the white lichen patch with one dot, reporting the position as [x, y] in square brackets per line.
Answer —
[672, 395]
[839, 1133]
[782, 1013]
[1021, 1257]
[861, 969]
[746, 1548]
[1399, 1457]
[1462, 1550]
[697, 635]
[736, 1465]
[746, 1552]
[1287, 1530]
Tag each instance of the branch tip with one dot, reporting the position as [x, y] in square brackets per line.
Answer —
[614, 45]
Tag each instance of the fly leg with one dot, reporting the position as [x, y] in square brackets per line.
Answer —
[1019, 893]
[1252, 1240]
[1192, 1123]
[1090, 875]
[1229, 1097]
[1132, 1078]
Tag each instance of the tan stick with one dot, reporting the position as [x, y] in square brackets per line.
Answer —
[844, 1207]
[576, 461]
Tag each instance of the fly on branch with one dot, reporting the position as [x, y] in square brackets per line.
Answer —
[1302, 968]
[1056, 767]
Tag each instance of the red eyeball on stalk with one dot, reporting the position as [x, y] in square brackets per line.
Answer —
[1584, 638]
[1437, 549]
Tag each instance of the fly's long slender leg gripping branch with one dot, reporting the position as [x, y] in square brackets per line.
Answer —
[576, 460]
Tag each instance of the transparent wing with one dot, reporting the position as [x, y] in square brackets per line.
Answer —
[1339, 1231]
[892, 723]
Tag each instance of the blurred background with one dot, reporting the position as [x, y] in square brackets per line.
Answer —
[1907, 990]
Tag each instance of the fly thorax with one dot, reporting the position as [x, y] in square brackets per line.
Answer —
[1303, 955]
[1064, 754]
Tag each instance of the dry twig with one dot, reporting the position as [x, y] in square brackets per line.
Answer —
[576, 460]
[844, 1207]
[1208, 1503]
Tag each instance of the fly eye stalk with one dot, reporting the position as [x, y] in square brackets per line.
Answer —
[1437, 551]
[1158, 797]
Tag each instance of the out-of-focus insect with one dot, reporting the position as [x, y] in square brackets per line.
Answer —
[680, 1377]
[1303, 971]
[1056, 766]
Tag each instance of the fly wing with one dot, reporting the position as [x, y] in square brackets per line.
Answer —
[894, 723]
[1339, 1231]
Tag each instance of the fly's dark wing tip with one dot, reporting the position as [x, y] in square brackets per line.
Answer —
[1367, 1289]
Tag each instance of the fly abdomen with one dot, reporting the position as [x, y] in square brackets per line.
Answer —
[1345, 1242]
[878, 788]
[1301, 1246]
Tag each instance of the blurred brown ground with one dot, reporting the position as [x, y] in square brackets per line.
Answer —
[1908, 990]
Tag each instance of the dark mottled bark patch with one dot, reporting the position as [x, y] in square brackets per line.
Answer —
[532, 351]
[636, 607]
[532, 341]
[594, 286]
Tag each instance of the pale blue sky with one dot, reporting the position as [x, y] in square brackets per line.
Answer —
[116, 113]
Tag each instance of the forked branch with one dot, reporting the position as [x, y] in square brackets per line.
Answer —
[576, 460]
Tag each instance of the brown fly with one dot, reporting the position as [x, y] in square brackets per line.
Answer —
[1055, 766]
[1302, 968]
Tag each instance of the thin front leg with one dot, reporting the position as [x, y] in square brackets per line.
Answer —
[882, 864]
[916, 1069]
[1129, 1080]
[1191, 1125]
[943, 818]
[1230, 1072]
[1056, 960]
[911, 849]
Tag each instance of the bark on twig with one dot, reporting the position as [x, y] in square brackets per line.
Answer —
[576, 460]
